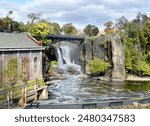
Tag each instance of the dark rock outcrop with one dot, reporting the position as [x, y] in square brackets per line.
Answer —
[88, 50]
[99, 47]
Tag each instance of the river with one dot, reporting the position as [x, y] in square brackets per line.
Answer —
[77, 89]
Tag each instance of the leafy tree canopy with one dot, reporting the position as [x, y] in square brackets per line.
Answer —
[91, 30]
[69, 29]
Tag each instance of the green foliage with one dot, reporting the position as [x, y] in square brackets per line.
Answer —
[53, 63]
[128, 61]
[98, 67]
[147, 57]
[136, 41]
[22, 27]
[12, 71]
[69, 29]
[57, 28]
[91, 30]
[142, 68]
[41, 30]
[6, 21]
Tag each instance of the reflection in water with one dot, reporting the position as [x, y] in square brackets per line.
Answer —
[76, 89]
[138, 86]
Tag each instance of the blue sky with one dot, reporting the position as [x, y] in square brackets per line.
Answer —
[78, 12]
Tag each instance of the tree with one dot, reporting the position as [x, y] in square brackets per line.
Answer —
[34, 17]
[69, 29]
[57, 28]
[22, 27]
[109, 25]
[122, 24]
[40, 30]
[146, 33]
[91, 30]
[6, 22]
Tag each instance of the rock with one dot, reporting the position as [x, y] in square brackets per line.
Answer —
[71, 70]
[60, 77]
[103, 78]
[136, 104]
[99, 47]
[44, 94]
[85, 76]
[118, 71]
[88, 50]
[60, 71]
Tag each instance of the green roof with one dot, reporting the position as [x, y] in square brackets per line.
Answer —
[16, 40]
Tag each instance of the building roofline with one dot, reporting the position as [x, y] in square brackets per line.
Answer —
[22, 48]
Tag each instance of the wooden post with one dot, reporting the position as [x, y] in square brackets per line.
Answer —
[8, 100]
[22, 100]
[11, 97]
[22, 91]
[25, 94]
[35, 90]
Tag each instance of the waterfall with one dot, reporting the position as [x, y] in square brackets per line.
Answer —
[60, 60]
[68, 56]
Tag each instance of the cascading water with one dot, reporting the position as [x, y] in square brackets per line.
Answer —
[68, 57]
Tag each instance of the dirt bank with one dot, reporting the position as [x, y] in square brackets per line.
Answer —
[135, 78]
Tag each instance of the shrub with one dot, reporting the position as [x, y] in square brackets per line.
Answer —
[98, 67]
[142, 68]
[54, 63]
[147, 57]
[128, 61]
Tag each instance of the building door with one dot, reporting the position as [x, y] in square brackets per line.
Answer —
[25, 69]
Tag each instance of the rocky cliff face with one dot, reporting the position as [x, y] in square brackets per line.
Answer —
[109, 48]
[118, 70]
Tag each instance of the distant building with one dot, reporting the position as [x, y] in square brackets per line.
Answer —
[20, 58]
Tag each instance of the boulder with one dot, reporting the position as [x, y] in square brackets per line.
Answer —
[60, 71]
[71, 70]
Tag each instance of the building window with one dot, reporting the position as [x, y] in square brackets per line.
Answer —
[35, 66]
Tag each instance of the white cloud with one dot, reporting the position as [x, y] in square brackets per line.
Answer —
[79, 12]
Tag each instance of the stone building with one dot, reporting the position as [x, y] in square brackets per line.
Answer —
[20, 58]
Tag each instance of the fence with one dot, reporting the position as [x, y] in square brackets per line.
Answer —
[28, 91]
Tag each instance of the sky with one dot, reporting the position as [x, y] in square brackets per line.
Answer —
[78, 12]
